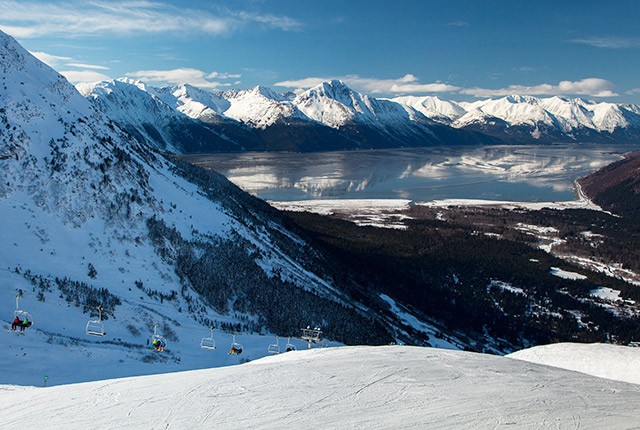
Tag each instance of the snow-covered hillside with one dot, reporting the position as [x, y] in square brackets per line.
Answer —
[93, 217]
[621, 363]
[350, 387]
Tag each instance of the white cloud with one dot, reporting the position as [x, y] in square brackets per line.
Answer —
[181, 76]
[594, 87]
[217, 75]
[633, 91]
[408, 84]
[302, 83]
[29, 18]
[49, 59]
[56, 61]
[87, 66]
[78, 76]
[404, 85]
[610, 42]
[273, 21]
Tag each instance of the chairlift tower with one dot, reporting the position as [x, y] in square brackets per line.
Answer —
[311, 335]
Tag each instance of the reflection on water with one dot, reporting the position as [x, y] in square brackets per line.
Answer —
[518, 173]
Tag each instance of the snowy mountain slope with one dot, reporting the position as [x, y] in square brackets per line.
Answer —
[432, 107]
[92, 217]
[193, 102]
[335, 104]
[149, 119]
[620, 363]
[351, 387]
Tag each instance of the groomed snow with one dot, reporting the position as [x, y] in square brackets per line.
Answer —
[621, 363]
[351, 387]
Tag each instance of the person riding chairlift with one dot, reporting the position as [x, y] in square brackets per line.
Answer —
[17, 322]
[158, 345]
[26, 323]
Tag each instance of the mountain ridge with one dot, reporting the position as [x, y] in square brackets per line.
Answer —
[333, 116]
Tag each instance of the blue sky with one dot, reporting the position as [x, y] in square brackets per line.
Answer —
[454, 49]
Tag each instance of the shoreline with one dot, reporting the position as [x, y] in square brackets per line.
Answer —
[331, 206]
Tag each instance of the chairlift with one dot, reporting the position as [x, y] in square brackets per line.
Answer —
[236, 348]
[274, 348]
[96, 327]
[290, 346]
[208, 342]
[158, 342]
[22, 315]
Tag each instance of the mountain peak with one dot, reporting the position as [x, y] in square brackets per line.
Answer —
[334, 86]
[266, 92]
[519, 98]
[135, 82]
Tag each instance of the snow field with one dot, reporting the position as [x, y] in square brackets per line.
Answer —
[621, 363]
[349, 387]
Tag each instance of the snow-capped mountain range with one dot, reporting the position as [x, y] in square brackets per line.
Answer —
[333, 116]
[330, 116]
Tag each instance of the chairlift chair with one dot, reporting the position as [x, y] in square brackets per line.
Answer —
[96, 327]
[208, 342]
[22, 315]
[290, 346]
[274, 348]
[236, 348]
[156, 339]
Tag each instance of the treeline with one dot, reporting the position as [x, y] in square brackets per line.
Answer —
[79, 293]
[226, 274]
